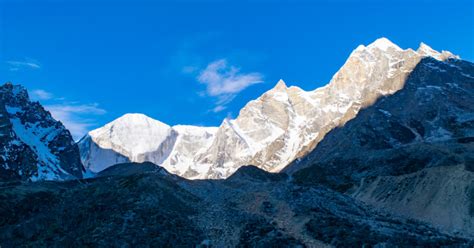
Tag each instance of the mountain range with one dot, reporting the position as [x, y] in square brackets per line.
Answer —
[282, 125]
[383, 155]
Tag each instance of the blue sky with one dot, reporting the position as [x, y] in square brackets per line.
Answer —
[198, 62]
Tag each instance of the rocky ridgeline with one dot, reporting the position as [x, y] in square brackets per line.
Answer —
[33, 146]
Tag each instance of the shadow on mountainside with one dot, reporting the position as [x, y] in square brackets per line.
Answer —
[419, 139]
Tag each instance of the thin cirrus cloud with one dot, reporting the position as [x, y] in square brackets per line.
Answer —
[40, 94]
[76, 117]
[16, 65]
[225, 81]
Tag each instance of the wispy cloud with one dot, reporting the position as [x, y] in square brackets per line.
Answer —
[40, 94]
[76, 117]
[189, 69]
[225, 81]
[16, 65]
[218, 108]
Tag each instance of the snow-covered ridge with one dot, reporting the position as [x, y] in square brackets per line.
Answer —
[280, 126]
[33, 146]
[139, 138]
[384, 44]
[133, 134]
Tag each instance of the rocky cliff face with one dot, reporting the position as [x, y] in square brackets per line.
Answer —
[411, 152]
[282, 125]
[34, 146]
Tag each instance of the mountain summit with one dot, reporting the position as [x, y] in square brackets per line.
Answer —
[133, 134]
[34, 146]
[384, 44]
[280, 126]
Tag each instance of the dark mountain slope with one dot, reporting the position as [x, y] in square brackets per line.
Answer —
[109, 211]
[396, 153]
[127, 169]
[253, 208]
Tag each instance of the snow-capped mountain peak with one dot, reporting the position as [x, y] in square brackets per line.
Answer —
[137, 119]
[132, 134]
[384, 44]
[281, 85]
[426, 50]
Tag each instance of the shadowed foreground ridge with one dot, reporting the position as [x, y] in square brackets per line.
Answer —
[252, 208]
